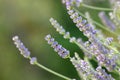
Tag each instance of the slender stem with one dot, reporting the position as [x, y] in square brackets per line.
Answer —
[53, 72]
[96, 8]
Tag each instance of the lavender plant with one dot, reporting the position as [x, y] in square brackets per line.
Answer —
[101, 48]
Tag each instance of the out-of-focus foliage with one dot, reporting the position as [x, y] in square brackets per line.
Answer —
[29, 19]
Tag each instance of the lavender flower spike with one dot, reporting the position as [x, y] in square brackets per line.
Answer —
[84, 69]
[23, 50]
[106, 21]
[62, 52]
[59, 28]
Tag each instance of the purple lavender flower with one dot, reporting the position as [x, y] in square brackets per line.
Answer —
[23, 50]
[102, 75]
[82, 67]
[107, 22]
[62, 52]
[98, 49]
[109, 40]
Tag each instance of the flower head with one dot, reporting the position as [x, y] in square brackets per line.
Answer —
[23, 50]
[62, 52]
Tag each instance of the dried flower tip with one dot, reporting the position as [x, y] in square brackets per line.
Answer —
[33, 60]
[66, 35]
[23, 50]
[60, 28]
[48, 37]
[80, 41]
[15, 38]
[72, 39]
[77, 56]
[57, 26]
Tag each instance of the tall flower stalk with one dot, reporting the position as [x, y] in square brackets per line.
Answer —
[100, 48]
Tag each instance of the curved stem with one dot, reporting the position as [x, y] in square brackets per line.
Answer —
[96, 8]
[53, 72]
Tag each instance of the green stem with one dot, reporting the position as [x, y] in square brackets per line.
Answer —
[96, 8]
[53, 72]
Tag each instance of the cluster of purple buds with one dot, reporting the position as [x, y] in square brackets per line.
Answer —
[87, 72]
[23, 50]
[82, 24]
[109, 63]
[101, 74]
[103, 55]
[62, 52]
[109, 40]
[83, 68]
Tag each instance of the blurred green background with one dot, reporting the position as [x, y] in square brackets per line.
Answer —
[29, 19]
